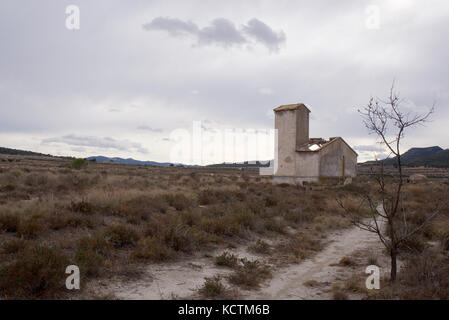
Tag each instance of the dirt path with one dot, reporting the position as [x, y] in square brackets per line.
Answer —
[179, 280]
[288, 283]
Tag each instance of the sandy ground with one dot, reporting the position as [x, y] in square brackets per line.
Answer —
[177, 280]
[181, 279]
[288, 283]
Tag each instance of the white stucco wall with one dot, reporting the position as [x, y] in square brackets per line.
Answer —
[307, 164]
[331, 160]
[285, 123]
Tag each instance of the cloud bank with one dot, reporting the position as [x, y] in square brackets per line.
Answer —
[97, 142]
[221, 31]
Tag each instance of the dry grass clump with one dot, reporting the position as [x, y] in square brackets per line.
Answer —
[153, 249]
[9, 222]
[347, 262]
[425, 276]
[13, 246]
[82, 206]
[445, 241]
[338, 294]
[178, 200]
[227, 259]
[63, 220]
[261, 247]
[90, 254]
[355, 284]
[250, 274]
[171, 230]
[38, 272]
[121, 236]
[213, 288]
[311, 283]
[299, 247]
[31, 227]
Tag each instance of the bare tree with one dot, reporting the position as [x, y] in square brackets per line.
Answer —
[387, 215]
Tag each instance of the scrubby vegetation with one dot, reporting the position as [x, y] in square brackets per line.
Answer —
[110, 219]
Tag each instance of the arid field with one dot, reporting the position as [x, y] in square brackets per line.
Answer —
[120, 224]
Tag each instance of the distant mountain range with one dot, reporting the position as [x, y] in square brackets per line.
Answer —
[129, 161]
[22, 152]
[416, 157]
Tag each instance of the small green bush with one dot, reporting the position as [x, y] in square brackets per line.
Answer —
[79, 164]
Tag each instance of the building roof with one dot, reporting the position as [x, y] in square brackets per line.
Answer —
[317, 144]
[287, 107]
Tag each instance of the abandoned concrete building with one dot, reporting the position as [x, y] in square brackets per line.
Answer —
[300, 158]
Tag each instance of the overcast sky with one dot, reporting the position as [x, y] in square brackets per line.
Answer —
[138, 69]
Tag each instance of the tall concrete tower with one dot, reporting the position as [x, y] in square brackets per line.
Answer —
[292, 123]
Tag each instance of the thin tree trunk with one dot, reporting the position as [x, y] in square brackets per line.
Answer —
[393, 255]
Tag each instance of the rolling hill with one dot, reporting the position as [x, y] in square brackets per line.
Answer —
[427, 157]
[17, 152]
[128, 161]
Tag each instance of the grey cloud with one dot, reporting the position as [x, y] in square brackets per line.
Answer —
[97, 142]
[148, 128]
[264, 34]
[173, 26]
[221, 31]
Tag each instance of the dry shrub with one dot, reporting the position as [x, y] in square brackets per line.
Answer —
[82, 206]
[347, 262]
[299, 216]
[61, 220]
[226, 259]
[275, 224]
[250, 274]
[13, 246]
[39, 272]
[31, 227]
[40, 180]
[351, 205]
[9, 222]
[425, 276]
[415, 190]
[311, 283]
[174, 233]
[417, 218]
[300, 246]
[90, 255]
[445, 241]
[214, 196]
[355, 284]
[141, 207]
[214, 288]
[271, 201]
[414, 243]
[260, 247]
[339, 295]
[151, 248]
[221, 226]
[178, 200]
[372, 259]
[121, 236]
